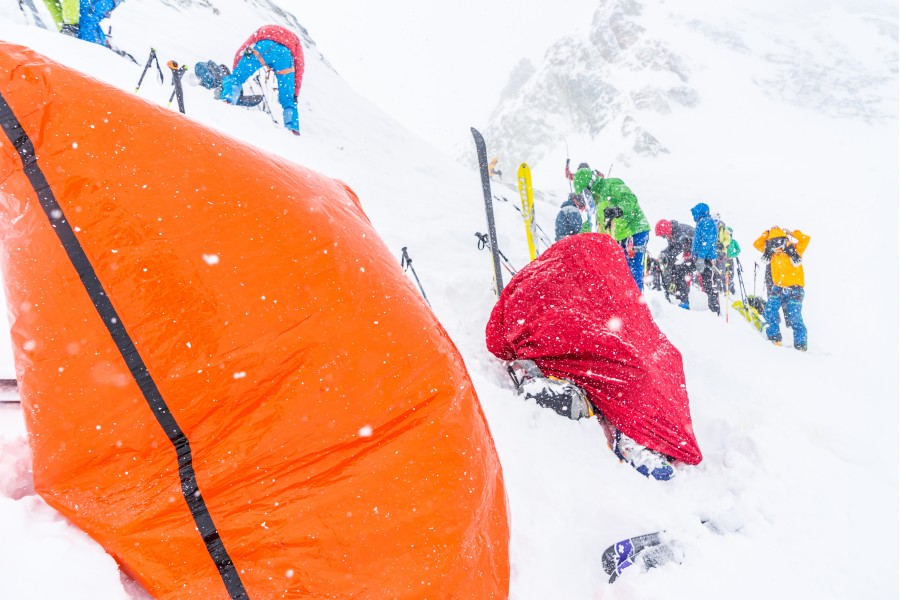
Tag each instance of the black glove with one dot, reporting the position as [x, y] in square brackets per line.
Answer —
[612, 212]
[791, 251]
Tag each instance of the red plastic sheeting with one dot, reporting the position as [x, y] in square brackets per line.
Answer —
[227, 380]
[577, 313]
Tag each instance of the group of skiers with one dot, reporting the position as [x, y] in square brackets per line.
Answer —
[270, 47]
[705, 252]
[583, 355]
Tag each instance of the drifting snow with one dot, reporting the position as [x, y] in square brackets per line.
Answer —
[801, 449]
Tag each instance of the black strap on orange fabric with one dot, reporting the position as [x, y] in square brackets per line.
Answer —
[104, 307]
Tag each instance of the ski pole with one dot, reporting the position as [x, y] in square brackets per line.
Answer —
[484, 242]
[177, 92]
[406, 263]
[727, 297]
[150, 60]
[265, 99]
[542, 235]
[755, 269]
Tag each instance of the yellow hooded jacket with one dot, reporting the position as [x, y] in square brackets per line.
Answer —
[784, 272]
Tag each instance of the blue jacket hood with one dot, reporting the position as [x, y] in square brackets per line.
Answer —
[699, 211]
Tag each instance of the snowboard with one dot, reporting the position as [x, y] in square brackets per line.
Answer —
[647, 551]
[527, 196]
[481, 150]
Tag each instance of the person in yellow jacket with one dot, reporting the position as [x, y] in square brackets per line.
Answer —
[783, 250]
[493, 170]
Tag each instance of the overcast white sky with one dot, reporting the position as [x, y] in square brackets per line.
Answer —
[437, 67]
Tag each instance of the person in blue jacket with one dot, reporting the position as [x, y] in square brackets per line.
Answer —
[568, 220]
[81, 18]
[92, 12]
[704, 253]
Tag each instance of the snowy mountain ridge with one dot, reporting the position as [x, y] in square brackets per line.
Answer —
[639, 61]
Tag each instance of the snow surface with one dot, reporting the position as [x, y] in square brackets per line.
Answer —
[801, 450]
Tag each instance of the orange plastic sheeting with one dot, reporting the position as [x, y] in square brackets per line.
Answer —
[228, 382]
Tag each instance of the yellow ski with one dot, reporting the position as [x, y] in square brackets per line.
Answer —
[527, 196]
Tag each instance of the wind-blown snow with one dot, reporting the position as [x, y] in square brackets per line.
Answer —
[801, 450]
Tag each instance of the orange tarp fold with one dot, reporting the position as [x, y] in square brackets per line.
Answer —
[227, 380]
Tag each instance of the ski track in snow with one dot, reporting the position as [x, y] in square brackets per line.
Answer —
[801, 452]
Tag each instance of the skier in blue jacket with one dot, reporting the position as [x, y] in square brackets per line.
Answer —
[703, 251]
[92, 12]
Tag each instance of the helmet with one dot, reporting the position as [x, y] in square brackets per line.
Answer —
[582, 179]
[776, 232]
[664, 228]
[577, 200]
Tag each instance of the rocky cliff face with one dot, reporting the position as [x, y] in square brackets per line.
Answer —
[586, 85]
[640, 62]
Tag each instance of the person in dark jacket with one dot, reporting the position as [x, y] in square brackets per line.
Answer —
[703, 251]
[675, 259]
[568, 220]
[276, 48]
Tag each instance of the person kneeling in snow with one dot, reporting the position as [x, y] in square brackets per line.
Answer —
[276, 48]
[580, 340]
[785, 256]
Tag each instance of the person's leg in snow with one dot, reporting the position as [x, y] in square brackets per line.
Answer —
[288, 100]
[645, 461]
[707, 281]
[793, 303]
[773, 321]
[638, 247]
[232, 84]
[561, 396]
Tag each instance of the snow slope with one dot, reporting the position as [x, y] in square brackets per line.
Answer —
[801, 450]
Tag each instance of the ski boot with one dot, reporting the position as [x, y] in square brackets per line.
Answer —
[647, 462]
[561, 396]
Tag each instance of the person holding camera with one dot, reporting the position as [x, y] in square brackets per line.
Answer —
[783, 250]
[621, 215]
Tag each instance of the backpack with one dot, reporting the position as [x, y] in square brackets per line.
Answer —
[724, 236]
[210, 73]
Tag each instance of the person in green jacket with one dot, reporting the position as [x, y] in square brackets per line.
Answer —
[66, 14]
[619, 215]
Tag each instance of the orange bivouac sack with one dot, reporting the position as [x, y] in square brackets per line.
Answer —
[227, 380]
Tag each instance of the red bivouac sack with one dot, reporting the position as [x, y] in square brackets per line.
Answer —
[577, 313]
